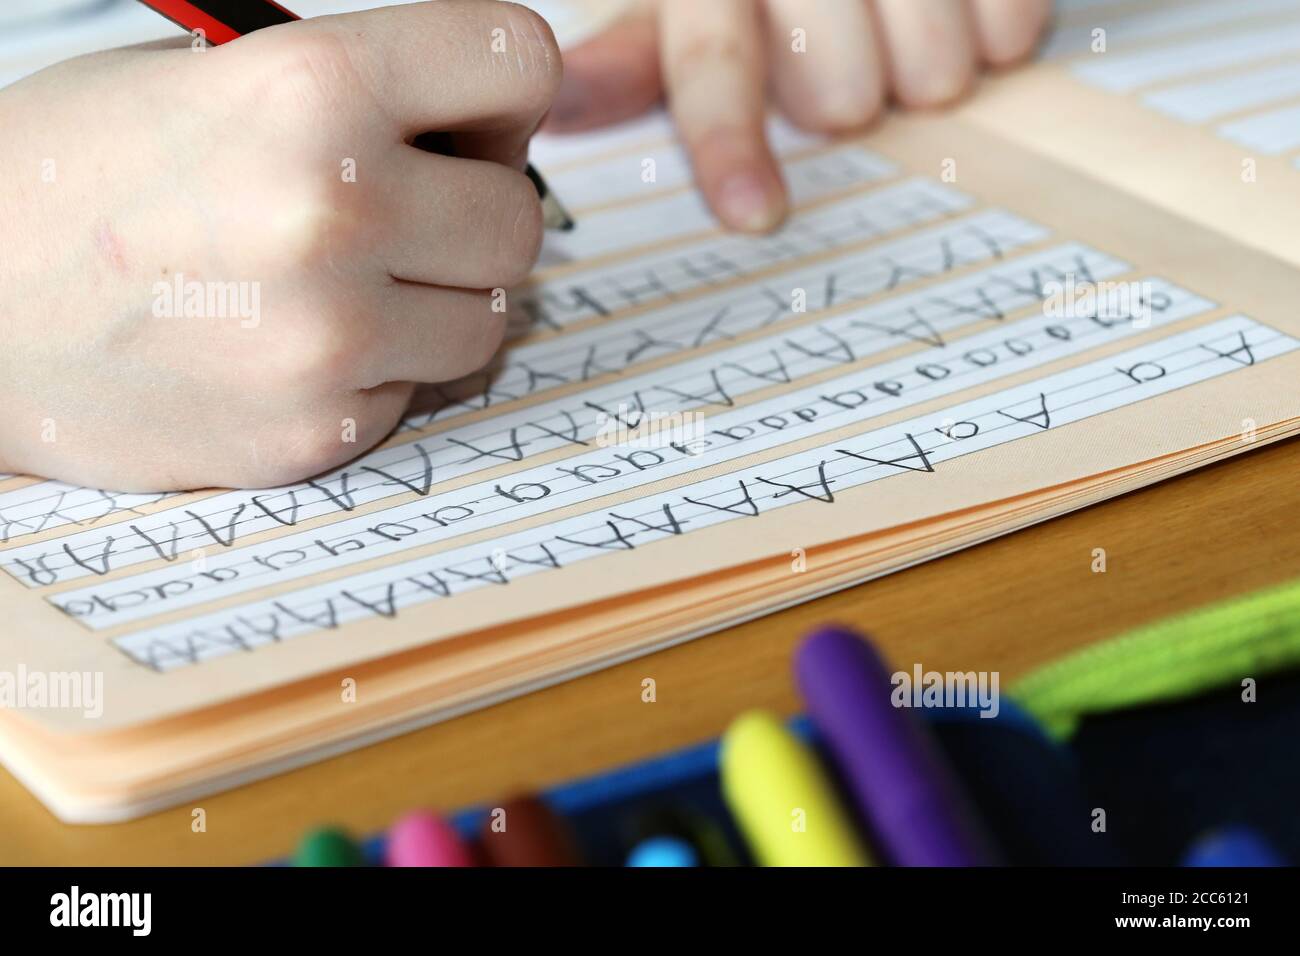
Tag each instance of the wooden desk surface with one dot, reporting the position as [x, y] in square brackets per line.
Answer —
[1007, 605]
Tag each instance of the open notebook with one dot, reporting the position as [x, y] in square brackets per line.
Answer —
[1082, 282]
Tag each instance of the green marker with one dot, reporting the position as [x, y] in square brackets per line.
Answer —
[327, 847]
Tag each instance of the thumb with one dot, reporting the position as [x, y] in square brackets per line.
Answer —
[611, 77]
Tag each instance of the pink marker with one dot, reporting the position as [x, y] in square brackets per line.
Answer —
[425, 839]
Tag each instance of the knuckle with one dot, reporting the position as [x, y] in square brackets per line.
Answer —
[310, 67]
[316, 355]
[313, 221]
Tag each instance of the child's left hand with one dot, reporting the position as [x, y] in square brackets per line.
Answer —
[831, 65]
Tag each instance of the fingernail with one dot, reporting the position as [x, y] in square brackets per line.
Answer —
[745, 202]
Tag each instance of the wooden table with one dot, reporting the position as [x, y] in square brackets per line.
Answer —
[1007, 605]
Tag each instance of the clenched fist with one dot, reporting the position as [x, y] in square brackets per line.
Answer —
[229, 266]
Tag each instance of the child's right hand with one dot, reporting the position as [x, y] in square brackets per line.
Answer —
[273, 171]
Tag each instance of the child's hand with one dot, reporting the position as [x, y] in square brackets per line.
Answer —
[323, 264]
[830, 64]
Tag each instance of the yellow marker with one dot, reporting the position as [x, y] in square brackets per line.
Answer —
[782, 799]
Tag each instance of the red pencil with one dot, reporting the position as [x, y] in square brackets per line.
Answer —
[224, 20]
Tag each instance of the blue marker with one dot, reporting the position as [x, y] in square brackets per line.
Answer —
[1232, 846]
[663, 851]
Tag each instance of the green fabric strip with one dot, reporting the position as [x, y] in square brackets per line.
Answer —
[1210, 647]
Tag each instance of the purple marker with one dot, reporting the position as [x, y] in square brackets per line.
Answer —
[892, 766]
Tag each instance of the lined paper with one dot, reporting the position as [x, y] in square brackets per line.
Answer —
[1206, 100]
[918, 446]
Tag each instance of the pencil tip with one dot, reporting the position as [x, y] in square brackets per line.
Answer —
[554, 216]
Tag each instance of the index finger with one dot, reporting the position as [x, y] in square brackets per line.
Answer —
[713, 71]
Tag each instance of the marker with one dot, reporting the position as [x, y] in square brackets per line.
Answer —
[327, 846]
[663, 851]
[224, 20]
[1232, 846]
[705, 836]
[525, 832]
[886, 756]
[425, 839]
[782, 798]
